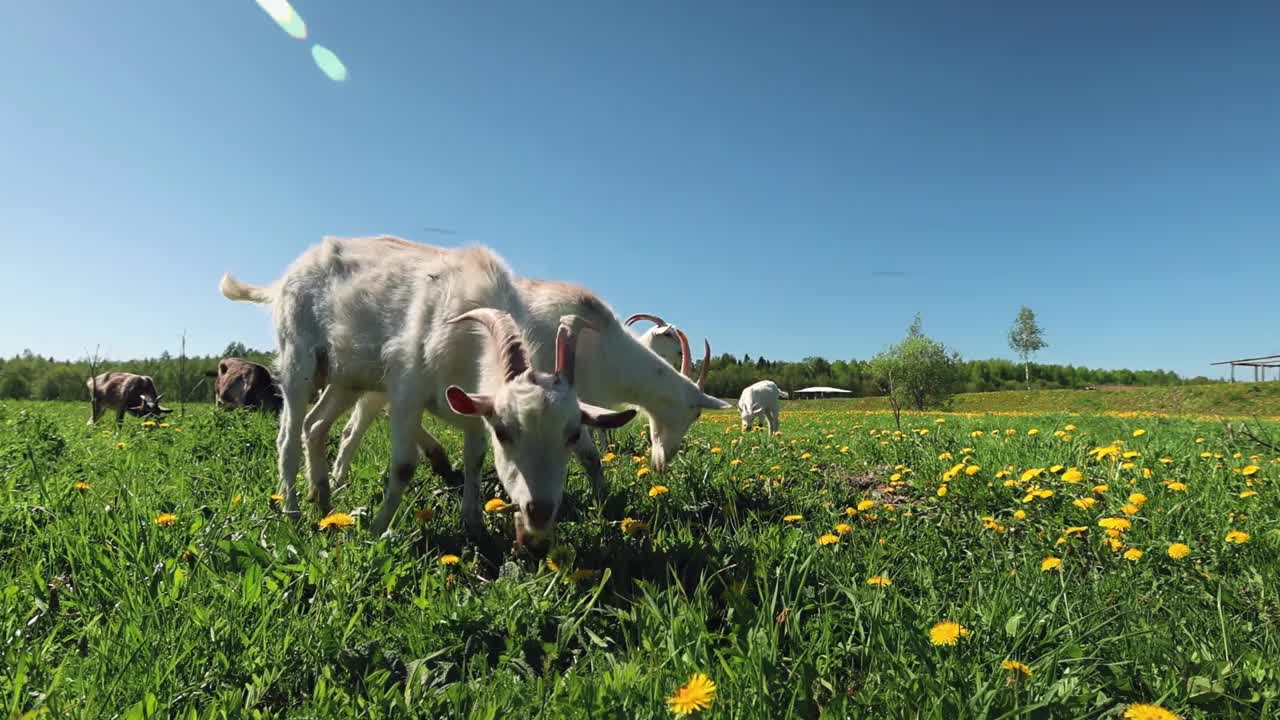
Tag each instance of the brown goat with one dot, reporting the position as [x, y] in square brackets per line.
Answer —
[245, 384]
[124, 392]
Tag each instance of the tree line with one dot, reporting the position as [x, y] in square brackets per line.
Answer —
[30, 376]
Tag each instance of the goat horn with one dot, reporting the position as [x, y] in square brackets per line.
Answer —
[686, 365]
[706, 364]
[644, 316]
[515, 361]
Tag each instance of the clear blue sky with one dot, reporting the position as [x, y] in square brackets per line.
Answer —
[742, 168]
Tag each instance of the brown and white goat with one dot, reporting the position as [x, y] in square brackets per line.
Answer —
[378, 314]
[244, 384]
[125, 393]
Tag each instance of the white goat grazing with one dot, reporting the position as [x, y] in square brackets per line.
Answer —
[381, 314]
[614, 369]
[760, 400]
[662, 338]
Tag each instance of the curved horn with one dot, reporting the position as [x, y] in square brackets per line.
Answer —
[706, 364]
[515, 361]
[686, 365]
[158, 398]
[644, 316]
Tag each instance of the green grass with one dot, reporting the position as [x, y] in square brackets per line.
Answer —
[1227, 400]
[233, 611]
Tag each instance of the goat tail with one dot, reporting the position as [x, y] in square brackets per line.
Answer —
[233, 289]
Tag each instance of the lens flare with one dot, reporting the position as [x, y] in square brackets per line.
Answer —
[285, 16]
[329, 63]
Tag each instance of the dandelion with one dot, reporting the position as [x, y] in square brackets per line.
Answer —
[1248, 493]
[942, 491]
[828, 539]
[895, 477]
[642, 472]
[237, 500]
[1075, 530]
[693, 696]
[947, 632]
[1017, 668]
[495, 505]
[149, 424]
[1133, 554]
[1138, 498]
[336, 521]
[793, 518]
[1166, 461]
[844, 450]
[82, 486]
[1050, 564]
[1108, 451]
[879, 581]
[1072, 475]
[1115, 523]
[166, 519]
[843, 528]
[1033, 432]
[972, 470]
[121, 446]
[276, 498]
[450, 559]
[1069, 428]
[633, 527]
[1019, 514]
[608, 457]
[1177, 551]
[1144, 711]
[1237, 537]
[945, 456]
[1177, 487]
[1130, 509]
[1031, 473]
[1101, 489]
[865, 505]
[735, 462]
[1084, 503]
[561, 556]
[1139, 432]
[164, 425]
[1249, 470]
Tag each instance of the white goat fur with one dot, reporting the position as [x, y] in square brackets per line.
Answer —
[760, 401]
[614, 369]
[380, 314]
[662, 342]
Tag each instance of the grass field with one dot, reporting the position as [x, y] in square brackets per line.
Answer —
[147, 573]
[1210, 400]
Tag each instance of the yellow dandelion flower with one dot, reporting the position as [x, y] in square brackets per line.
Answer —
[940, 420]
[642, 472]
[1016, 668]
[1139, 432]
[828, 539]
[1237, 537]
[716, 451]
[1115, 523]
[1072, 475]
[1177, 551]
[793, 518]
[1033, 432]
[942, 491]
[776, 468]
[972, 470]
[1019, 514]
[1130, 509]
[1128, 466]
[494, 505]
[1069, 428]
[237, 500]
[1138, 498]
[164, 519]
[1050, 564]
[631, 526]
[337, 521]
[1075, 530]
[1177, 487]
[657, 490]
[1084, 503]
[1248, 493]
[879, 581]
[947, 632]
[1030, 473]
[149, 424]
[1144, 711]
[1101, 489]
[450, 559]
[1133, 554]
[561, 556]
[164, 425]
[1250, 470]
[121, 446]
[865, 505]
[843, 528]
[276, 498]
[694, 696]
[608, 457]
[945, 456]
[736, 461]
[82, 486]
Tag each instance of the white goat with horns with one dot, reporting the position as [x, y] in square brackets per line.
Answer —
[383, 314]
[663, 338]
[614, 369]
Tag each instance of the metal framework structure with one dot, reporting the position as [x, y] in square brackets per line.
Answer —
[1259, 365]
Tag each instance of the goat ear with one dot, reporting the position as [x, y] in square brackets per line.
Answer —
[711, 403]
[464, 404]
[602, 418]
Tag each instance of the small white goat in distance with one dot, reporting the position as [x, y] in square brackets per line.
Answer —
[614, 369]
[663, 338]
[760, 400]
[379, 314]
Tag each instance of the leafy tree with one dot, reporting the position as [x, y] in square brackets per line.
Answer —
[1026, 338]
[918, 371]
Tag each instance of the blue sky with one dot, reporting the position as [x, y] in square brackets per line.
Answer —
[742, 168]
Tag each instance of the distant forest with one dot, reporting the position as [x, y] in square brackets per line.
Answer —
[29, 376]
